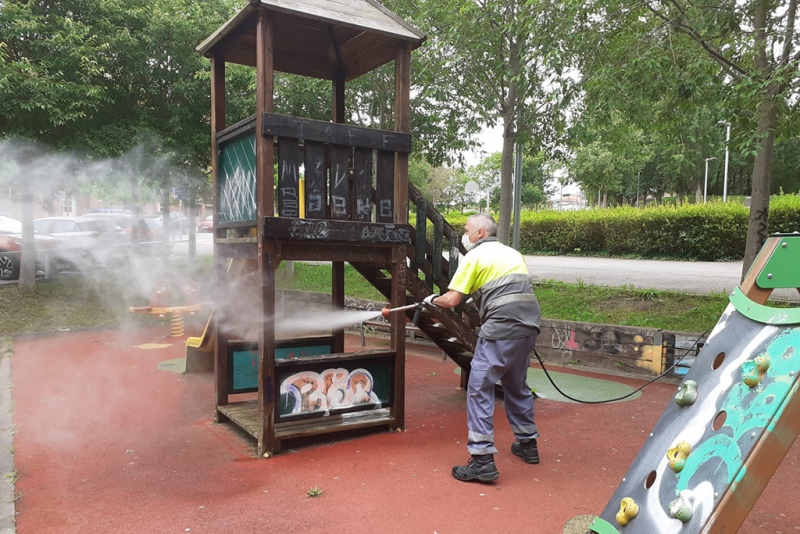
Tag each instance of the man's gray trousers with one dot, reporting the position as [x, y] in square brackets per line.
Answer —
[506, 361]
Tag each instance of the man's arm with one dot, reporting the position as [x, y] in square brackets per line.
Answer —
[451, 299]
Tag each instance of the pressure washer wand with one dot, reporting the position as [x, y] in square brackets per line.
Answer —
[386, 311]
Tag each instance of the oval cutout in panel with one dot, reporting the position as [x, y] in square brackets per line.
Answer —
[650, 480]
[719, 420]
[718, 360]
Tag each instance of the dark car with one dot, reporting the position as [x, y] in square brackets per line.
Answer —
[46, 247]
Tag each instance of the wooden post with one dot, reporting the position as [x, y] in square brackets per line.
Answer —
[337, 273]
[267, 262]
[220, 265]
[398, 334]
[402, 88]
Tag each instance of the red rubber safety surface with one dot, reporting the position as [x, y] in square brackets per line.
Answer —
[106, 443]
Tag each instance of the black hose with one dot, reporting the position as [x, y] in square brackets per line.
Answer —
[538, 357]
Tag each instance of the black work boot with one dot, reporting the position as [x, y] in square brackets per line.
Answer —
[527, 450]
[479, 468]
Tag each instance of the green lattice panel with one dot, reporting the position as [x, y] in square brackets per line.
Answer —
[237, 179]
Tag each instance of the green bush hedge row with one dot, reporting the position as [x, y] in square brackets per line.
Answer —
[710, 232]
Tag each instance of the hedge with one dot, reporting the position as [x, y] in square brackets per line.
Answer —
[710, 232]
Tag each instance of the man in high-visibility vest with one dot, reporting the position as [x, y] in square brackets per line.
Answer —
[497, 278]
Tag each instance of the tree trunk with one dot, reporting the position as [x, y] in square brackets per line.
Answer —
[135, 236]
[762, 175]
[192, 222]
[27, 266]
[506, 184]
[165, 220]
[698, 191]
[762, 166]
[27, 263]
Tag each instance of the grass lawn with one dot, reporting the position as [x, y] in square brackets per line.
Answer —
[103, 301]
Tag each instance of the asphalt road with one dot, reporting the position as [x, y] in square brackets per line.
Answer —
[688, 276]
[691, 277]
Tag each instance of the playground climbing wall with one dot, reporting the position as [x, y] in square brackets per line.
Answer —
[731, 421]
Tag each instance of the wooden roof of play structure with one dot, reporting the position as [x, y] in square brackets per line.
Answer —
[317, 38]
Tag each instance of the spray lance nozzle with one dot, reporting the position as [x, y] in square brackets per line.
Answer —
[417, 305]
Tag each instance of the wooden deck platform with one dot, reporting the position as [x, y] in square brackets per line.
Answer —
[245, 415]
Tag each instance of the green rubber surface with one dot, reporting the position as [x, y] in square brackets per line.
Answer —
[581, 387]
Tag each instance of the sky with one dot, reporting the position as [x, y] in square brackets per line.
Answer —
[491, 140]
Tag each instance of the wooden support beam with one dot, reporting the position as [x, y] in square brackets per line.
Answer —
[220, 263]
[268, 389]
[398, 334]
[341, 198]
[267, 264]
[264, 97]
[402, 90]
[749, 286]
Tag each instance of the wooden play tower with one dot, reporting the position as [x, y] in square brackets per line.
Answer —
[355, 200]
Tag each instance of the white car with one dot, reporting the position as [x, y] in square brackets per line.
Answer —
[88, 240]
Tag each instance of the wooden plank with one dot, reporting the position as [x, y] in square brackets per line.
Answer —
[450, 320]
[360, 44]
[337, 89]
[288, 177]
[347, 12]
[398, 335]
[360, 355]
[336, 134]
[421, 237]
[316, 180]
[337, 300]
[414, 194]
[331, 230]
[371, 59]
[438, 245]
[314, 250]
[362, 178]
[244, 126]
[402, 111]
[220, 265]
[264, 99]
[335, 423]
[244, 415]
[749, 286]
[384, 187]
[341, 203]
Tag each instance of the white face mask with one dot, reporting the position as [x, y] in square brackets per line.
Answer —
[469, 245]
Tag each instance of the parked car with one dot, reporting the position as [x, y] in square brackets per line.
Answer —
[89, 240]
[11, 250]
[177, 223]
[148, 233]
[206, 225]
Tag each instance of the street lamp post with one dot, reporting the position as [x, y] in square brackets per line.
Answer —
[705, 185]
[727, 142]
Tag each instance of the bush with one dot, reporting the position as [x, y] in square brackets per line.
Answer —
[710, 232]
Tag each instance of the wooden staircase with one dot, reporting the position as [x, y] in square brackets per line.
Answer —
[430, 272]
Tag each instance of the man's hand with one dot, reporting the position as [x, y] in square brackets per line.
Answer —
[428, 301]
